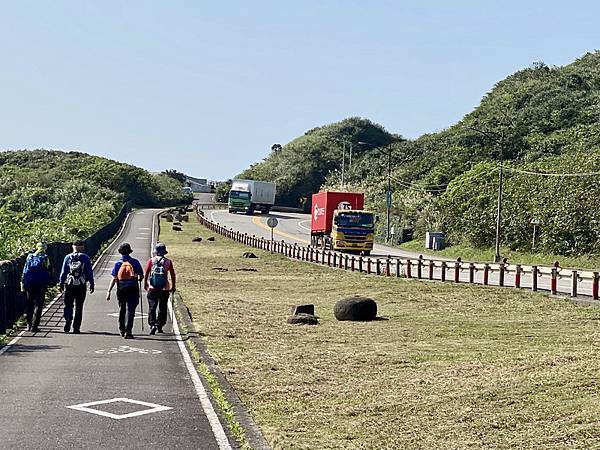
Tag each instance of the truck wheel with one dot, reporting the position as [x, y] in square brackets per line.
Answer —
[367, 253]
[266, 210]
[250, 211]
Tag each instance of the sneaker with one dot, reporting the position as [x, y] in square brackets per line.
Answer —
[76, 331]
[67, 326]
[160, 330]
[152, 331]
[28, 327]
[128, 336]
[122, 334]
[35, 330]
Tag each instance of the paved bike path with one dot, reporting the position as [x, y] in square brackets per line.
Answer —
[44, 376]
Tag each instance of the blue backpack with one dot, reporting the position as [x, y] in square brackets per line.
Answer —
[158, 275]
[35, 273]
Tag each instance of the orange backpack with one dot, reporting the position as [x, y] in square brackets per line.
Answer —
[127, 278]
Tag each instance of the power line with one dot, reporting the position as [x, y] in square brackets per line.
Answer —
[436, 187]
[549, 174]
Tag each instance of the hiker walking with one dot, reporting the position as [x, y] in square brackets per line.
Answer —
[76, 273]
[156, 282]
[37, 276]
[127, 275]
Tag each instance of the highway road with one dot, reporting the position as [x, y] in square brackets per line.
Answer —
[96, 390]
[295, 228]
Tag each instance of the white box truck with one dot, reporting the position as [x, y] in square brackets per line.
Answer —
[248, 196]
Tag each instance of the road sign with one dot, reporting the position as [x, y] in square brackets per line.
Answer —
[534, 221]
[272, 222]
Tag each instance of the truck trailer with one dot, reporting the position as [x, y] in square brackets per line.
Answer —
[248, 196]
[339, 222]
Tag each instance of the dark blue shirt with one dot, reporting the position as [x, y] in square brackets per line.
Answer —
[87, 267]
[137, 267]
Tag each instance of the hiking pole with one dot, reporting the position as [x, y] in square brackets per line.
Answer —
[141, 304]
[172, 307]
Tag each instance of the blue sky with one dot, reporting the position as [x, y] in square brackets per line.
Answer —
[207, 87]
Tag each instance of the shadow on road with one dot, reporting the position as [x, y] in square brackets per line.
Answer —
[22, 348]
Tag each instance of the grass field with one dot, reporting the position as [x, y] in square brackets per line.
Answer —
[448, 366]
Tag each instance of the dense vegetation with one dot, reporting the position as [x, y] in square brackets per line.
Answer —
[540, 120]
[57, 196]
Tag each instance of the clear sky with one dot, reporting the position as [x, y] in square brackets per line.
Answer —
[207, 87]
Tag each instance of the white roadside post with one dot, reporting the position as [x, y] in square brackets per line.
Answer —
[535, 222]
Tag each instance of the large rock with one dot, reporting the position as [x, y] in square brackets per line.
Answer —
[249, 255]
[197, 239]
[357, 309]
[303, 309]
[306, 319]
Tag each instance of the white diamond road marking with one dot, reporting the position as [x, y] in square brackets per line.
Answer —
[85, 407]
[137, 315]
[127, 349]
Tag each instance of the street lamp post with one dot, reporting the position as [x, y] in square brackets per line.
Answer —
[343, 161]
[388, 194]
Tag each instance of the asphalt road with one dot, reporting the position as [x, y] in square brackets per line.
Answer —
[295, 228]
[47, 374]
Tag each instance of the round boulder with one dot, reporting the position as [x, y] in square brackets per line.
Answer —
[357, 309]
[197, 239]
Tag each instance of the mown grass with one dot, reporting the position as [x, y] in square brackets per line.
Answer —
[591, 262]
[451, 366]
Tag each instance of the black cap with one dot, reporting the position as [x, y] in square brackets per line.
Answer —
[78, 243]
[161, 249]
[125, 248]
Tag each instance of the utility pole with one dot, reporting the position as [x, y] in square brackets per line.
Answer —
[498, 139]
[388, 196]
[499, 212]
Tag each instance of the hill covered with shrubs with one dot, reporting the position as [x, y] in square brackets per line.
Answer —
[542, 122]
[57, 196]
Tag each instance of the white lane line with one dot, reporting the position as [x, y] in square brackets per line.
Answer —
[207, 406]
[20, 335]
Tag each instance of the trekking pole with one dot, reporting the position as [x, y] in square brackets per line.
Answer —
[172, 307]
[141, 304]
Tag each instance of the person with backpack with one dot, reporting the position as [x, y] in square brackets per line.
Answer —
[76, 273]
[156, 282]
[37, 276]
[127, 274]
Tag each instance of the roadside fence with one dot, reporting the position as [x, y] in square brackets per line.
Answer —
[554, 280]
[12, 300]
[200, 206]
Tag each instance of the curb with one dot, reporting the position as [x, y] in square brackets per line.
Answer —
[254, 436]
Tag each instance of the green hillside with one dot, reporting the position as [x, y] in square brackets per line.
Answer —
[57, 196]
[540, 120]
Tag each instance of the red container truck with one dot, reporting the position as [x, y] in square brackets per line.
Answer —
[340, 223]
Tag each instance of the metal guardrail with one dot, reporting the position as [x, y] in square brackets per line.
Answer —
[12, 300]
[502, 275]
[202, 206]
